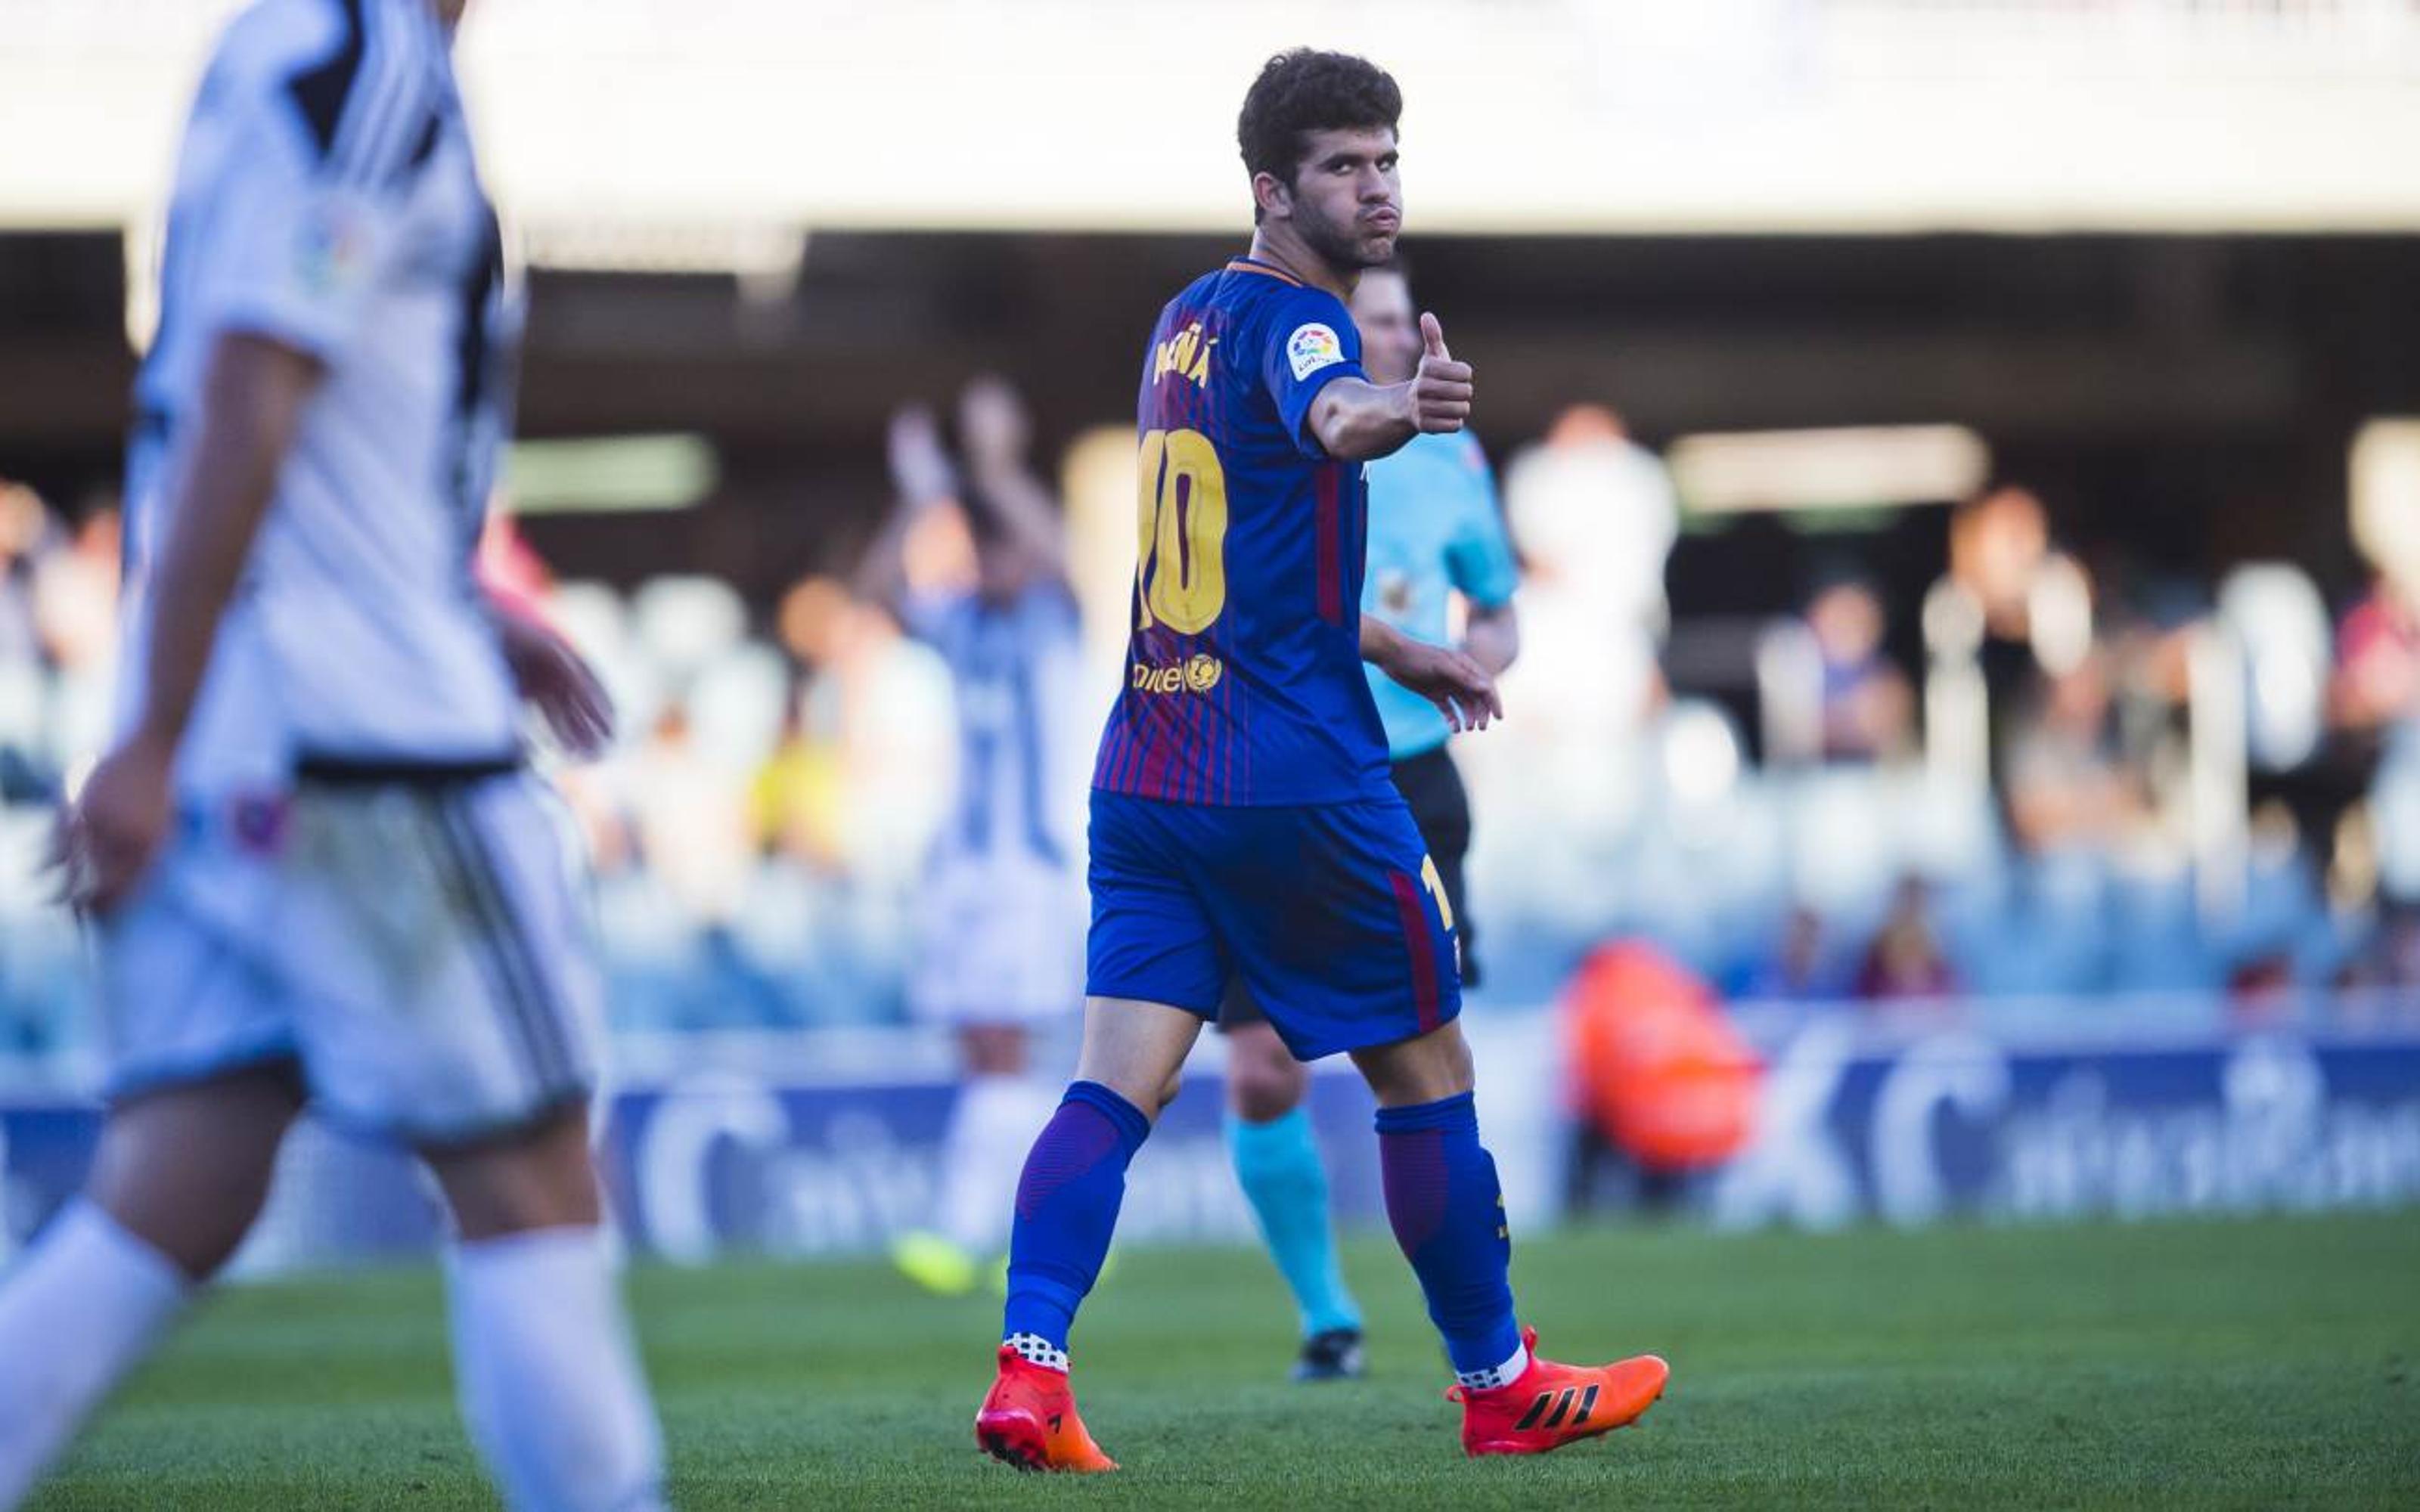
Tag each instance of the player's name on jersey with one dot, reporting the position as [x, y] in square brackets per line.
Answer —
[1185, 354]
[1197, 674]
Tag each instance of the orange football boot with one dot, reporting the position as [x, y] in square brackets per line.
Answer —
[1030, 1421]
[1553, 1405]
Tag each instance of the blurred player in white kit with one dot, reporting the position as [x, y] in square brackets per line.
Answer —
[1002, 910]
[317, 869]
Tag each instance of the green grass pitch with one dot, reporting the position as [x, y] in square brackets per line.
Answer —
[2220, 1363]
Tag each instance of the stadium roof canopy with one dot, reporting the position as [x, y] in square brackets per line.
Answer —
[721, 118]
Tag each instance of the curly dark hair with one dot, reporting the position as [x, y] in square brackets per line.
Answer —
[1302, 91]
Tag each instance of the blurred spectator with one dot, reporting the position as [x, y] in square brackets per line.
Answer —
[2261, 990]
[2065, 786]
[2394, 959]
[28, 771]
[794, 797]
[862, 770]
[509, 566]
[75, 609]
[1592, 508]
[888, 699]
[691, 832]
[1998, 547]
[813, 620]
[1906, 961]
[1868, 710]
[1594, 517]
[1798, 970]
[75, 594]
[24, 525]
[2377, 680]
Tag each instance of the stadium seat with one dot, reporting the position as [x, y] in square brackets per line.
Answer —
[735, 705]
[1843, 839]
[2395, 805]
[2279, 618]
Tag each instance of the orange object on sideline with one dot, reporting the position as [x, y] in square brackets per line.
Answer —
[1655, 1065]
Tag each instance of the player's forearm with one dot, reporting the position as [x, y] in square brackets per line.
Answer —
[1381, 642]
[1359, 422]
[1022, 506]
[1493, 638]
[922, 474]
[881, 574]
[251, 403]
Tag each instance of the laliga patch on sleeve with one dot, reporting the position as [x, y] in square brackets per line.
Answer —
[1311, 347]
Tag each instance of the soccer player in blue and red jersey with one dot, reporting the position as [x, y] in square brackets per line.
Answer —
[1242, 820]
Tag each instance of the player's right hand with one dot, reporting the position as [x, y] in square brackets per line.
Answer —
[113, 831]
[1440, 389]
[1457, 685]
[919, 464]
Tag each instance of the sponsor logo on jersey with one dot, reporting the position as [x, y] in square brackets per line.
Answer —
[1199, 674]
[1311, 347]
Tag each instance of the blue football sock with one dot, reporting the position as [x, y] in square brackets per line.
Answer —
[1067, 1208]
[1277, 1164]
[1447, 1214]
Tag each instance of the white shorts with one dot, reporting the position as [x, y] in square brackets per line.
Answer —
[1000, 940]
[420, 951]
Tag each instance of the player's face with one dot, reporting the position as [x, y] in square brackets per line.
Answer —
[1348, 198]
[1390, 333]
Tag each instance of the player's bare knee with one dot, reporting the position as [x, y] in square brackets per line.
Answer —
[198, 1235]
[1264, 1080]
[1421, 1070]
[1263, 1099]
[188, 1170]
[1136, 1049]
[537, 1178]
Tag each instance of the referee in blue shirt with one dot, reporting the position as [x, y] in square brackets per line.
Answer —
[1436, 530]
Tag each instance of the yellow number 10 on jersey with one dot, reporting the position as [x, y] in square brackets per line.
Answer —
[1183, 574]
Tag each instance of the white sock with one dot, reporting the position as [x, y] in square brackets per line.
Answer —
[1038, 1351]
[983, 1154]
[549, 1382]
[82, 1309]
[1502, 1376]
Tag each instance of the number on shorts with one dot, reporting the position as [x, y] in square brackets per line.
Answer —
[1435, 885]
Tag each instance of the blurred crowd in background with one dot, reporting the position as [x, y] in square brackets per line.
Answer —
[2086, 785]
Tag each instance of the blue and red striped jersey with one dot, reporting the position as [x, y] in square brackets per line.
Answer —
[1243, 678]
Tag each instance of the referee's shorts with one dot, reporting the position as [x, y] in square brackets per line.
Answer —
[1440, 805]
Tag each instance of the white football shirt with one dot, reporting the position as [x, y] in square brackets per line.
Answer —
[327, 198]
[1016, 670]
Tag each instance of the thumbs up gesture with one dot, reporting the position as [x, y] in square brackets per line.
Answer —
[1440, 388]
